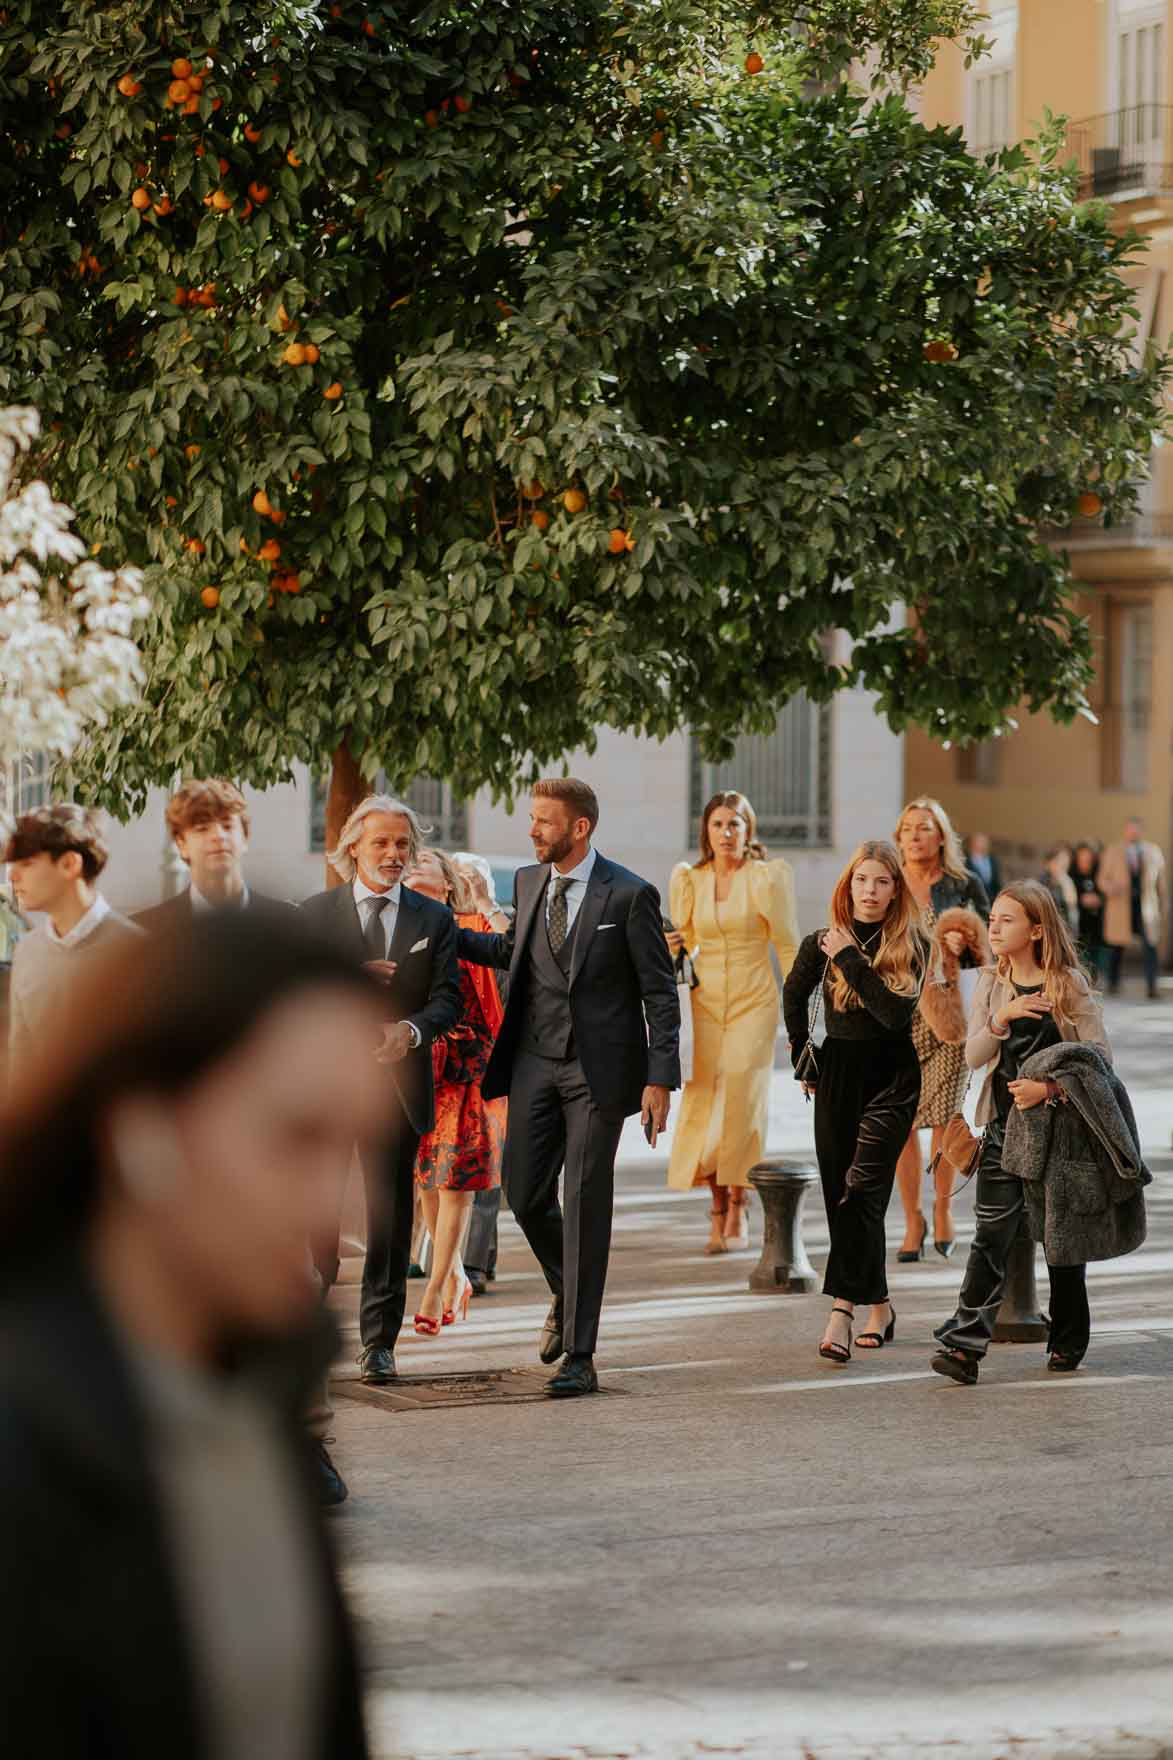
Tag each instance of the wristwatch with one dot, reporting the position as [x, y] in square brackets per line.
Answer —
[417, 1037]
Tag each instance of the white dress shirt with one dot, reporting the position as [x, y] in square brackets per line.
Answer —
[362, 892]
[576, 891]
[83, 928]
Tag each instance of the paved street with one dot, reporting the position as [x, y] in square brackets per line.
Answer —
[738, 1549]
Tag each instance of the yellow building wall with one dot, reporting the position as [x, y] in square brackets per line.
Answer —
[1062, 60]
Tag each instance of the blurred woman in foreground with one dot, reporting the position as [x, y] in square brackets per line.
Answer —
[168, 1588]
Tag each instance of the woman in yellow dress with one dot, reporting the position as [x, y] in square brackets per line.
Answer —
[727, 911]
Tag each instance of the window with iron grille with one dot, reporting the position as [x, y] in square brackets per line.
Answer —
[24, 784]
[785, 775]
[993, 110]
[434, 802]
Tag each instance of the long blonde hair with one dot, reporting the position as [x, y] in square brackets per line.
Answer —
[903, 951]
[952, 854]
[1063, 981]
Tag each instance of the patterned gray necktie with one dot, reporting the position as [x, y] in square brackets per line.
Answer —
[374, 934]
[559, 916]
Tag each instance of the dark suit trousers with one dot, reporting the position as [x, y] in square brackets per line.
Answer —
[554, 1123]
[388, 1182]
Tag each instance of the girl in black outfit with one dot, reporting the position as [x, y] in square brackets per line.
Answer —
[1085, 869]
[870, 964]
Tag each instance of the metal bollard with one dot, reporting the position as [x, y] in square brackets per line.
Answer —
[1020, 1320]
[783, 1268]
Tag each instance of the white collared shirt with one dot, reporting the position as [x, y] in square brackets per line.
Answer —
[576, 891]
[83, 928]
[200, 904]
[390, 912]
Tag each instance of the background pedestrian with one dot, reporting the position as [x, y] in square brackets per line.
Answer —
[983, 863]
[1085, 866]
[1056, 877]
[1132, 880]
[939, 880]
[728, 909]
[461, 1154]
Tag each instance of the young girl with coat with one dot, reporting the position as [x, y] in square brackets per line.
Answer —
[1034, 997]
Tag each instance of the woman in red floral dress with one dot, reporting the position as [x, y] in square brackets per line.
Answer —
[462, 1153]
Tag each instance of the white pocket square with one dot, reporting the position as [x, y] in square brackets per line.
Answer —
[605, 926]
[419, 946]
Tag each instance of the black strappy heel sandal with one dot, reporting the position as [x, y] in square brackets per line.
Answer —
[834, 1352]
[874, 1341]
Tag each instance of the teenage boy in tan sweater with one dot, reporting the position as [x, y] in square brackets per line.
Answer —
[55, 856]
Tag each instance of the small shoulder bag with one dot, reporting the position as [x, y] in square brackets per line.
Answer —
[807, 1067]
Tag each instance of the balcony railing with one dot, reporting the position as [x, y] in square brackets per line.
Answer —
[1124, 154]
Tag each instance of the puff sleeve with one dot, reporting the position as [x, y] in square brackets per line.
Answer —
[682, 902]
[772, 884]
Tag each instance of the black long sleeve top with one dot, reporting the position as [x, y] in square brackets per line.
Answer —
[884, 1013]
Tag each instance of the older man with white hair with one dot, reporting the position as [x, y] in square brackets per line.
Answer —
[408, 943]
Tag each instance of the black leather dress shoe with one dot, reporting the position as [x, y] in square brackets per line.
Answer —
[478, 1280]
[331, 1485]
[550, 1343]
[576, 1376]
[376, 1366]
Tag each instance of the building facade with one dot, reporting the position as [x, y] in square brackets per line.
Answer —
[1105, 65]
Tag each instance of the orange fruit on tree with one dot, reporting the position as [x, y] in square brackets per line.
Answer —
[244, 549]
[574, 501]
[291, 158]
[192, 450]
[533, 491]
[210, 598]
[277, 517]
[270, 550]
[617, 542]
[539, 519]
[164, 207]
[432, 118]
[129, 86]
[294, 355]
[940, 352]
[179, 91]
[657, 139]
[333, 392]
[463, 104]
[181, 68]
[313, 354]
[195, 82]
[754, 62]
[630, 542]
[141, 198]
[368, 27]
[251, 134]
[171, 501]
[181, 296]
[260, 192]
[195, 545]
[292, 584]
[191, 108]
[221, 201]
[1089, 504]
[262, 504]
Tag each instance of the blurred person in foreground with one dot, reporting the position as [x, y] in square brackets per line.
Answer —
[168, 1585]
[480, 1246]
[55, 858]
[461, 1154]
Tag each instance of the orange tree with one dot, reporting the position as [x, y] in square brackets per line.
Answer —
[469, 375]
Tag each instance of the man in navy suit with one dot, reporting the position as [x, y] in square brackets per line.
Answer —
[408, 943]
[591, 1035]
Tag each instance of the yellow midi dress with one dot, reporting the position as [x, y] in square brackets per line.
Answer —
[724, 1112]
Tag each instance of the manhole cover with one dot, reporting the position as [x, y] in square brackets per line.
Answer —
[417, 1393]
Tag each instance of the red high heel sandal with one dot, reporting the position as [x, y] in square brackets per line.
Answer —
[461, 1306]
[426, 1326]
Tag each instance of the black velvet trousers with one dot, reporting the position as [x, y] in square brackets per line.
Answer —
[865, 1103]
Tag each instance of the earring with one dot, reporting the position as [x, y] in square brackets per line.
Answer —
[147, 1154]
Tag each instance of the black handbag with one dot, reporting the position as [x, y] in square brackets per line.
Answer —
[807, 1068]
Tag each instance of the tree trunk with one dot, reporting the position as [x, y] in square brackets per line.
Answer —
[347, 788]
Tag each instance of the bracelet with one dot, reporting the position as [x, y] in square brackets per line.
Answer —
[1003, 1033]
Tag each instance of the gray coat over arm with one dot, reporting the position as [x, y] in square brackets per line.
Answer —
[1079, 1161]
